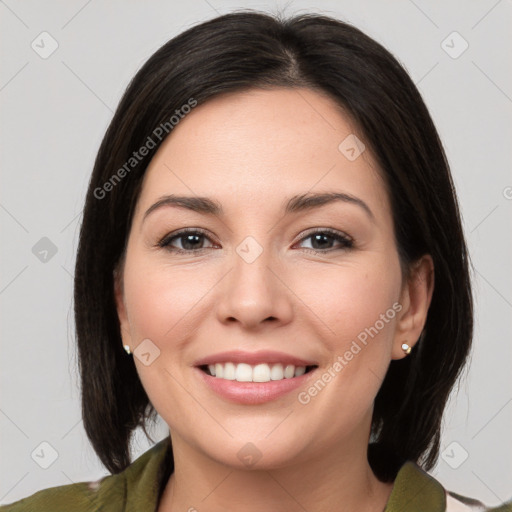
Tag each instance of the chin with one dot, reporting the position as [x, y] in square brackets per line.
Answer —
[257, 453]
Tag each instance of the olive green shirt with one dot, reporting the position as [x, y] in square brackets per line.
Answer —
[138, 489]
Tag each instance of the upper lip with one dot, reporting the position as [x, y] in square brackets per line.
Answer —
[253, 358]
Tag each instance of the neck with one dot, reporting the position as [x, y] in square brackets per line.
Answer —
[339, 480]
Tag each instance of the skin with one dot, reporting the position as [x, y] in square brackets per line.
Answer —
[251, 151]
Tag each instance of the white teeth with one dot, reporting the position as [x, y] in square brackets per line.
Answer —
[276, 373]
[243, 373]
[229, 371]
[263, 372]
[289, 371]
[300, 370]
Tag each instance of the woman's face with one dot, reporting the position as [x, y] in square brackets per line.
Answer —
[264, 281]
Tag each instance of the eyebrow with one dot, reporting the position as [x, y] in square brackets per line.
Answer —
[298, 203]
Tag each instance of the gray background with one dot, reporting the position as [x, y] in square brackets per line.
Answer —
[54, 114]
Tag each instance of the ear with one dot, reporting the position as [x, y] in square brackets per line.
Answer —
[415, 299]
[121, 306]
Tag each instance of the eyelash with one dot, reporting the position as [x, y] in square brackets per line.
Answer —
[346, 242]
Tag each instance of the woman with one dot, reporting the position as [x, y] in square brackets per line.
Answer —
[271, 258]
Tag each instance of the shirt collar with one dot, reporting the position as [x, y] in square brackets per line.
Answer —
[415, 490]
[140, 485]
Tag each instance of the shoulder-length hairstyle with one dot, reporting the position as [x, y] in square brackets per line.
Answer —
[236, 52]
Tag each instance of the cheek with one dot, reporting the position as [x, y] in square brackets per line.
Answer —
[358, 307]
[163, 305]
[351, 299]
[161, 300]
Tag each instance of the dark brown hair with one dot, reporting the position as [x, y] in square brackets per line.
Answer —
[236, 52]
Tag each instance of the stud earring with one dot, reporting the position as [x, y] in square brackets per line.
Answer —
[406, 348]
[127, 349]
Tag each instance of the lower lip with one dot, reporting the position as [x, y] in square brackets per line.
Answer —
[252, 392]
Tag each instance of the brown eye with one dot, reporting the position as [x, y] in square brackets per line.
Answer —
[185, 241]
[323, 240]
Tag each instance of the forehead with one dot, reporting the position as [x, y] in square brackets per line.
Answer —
[253, 148]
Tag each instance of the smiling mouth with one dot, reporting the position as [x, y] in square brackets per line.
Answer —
[243, 372]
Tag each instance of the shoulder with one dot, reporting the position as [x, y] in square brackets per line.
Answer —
[138, 483]
[82, 496]
[414, 489]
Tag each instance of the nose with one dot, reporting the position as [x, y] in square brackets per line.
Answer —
[254, 294]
